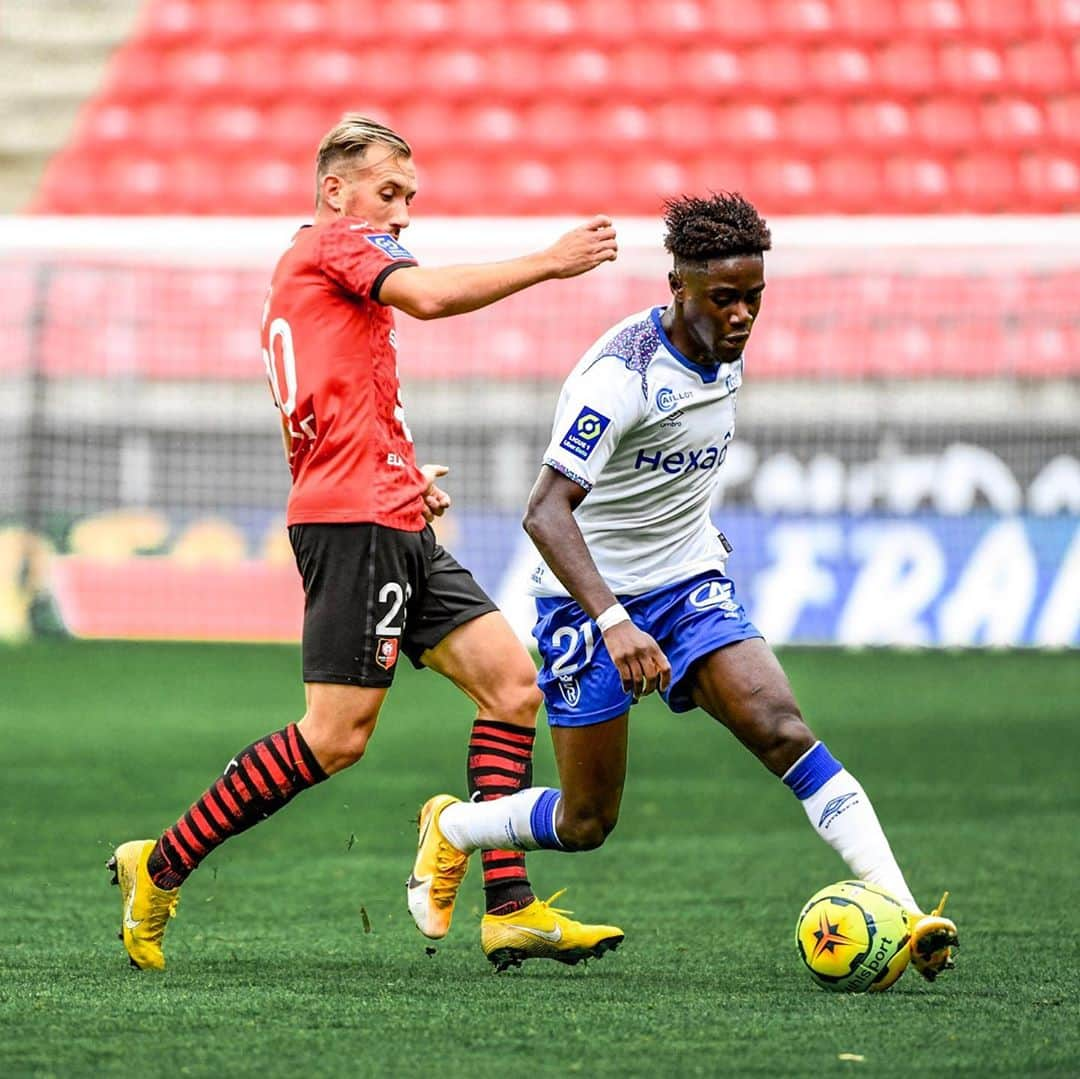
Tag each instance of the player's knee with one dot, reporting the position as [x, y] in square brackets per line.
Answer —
[787, 739]
[586, 830]
[519, 702]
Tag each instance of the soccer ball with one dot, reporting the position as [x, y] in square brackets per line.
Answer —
[853, 937]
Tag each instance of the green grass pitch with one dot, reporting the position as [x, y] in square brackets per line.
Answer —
[293, 952]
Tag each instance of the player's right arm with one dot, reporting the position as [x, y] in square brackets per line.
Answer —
[437, 292]
[549, 521]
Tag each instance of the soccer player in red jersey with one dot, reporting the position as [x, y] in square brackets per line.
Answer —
[376, 582]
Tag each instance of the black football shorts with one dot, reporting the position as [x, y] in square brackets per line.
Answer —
[370, 592]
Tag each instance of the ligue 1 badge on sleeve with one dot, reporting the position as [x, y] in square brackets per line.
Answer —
[386, 652]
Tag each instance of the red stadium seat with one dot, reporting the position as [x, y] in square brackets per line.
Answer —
[1045, 350]
[865, 20]
[294, 24]
[644, 181]
[551, 124]
[907, 68]
[605, 22]
[544, 21]
[680, 124]
[485, 126]
[516, 74]
[1050, 182]
[715, 71]
[1012, 122]
[222, 127]
[1006, 20]
[1039, 66]
[946, 123]
[479, 21]
[812, 124]
[883, 124]
[135, 75]
[973, 69]
[803, 20]
[718, 172]
[645, 73]
[449, 73]
[618, 126]
[986, 182]
[777, 70]
[1063, 119]
[1057, 16]
[580, 72]
[292, 128]
[850, 183]
[843, 70]
[756, 123]
[741, 23]
[672, 22]
[937, 19]
[915, 184]
[784, 184]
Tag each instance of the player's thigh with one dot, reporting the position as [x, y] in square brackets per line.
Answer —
[744, 686]
[592, 772]
[485, 660]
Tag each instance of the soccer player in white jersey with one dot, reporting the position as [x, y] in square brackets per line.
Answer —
[633, 597]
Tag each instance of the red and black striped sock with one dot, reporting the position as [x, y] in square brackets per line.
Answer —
[500, 763]
[257, 782]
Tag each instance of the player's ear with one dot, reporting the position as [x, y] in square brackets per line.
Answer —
[331, 192]
[676, 283]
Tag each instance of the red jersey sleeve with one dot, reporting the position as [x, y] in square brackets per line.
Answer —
[359, 258]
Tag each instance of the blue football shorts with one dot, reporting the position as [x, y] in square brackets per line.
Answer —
[688, 620]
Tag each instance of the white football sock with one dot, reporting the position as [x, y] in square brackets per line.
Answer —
[843, 815]
[521, 821]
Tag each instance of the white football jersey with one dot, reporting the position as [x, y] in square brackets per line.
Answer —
[644, 430]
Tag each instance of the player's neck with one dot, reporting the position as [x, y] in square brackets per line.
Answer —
[681, 339]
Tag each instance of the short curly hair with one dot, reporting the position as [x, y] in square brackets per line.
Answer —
[721, 226]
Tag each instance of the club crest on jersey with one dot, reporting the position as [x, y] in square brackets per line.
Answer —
[715, 594]
[386, 652]
[570, 690]
[667, 398]
[585, 432]
[388, 245]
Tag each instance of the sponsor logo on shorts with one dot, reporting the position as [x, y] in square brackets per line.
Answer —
[386, 652]
[570, 690]
[585, 432]
[835, 806]
[389, 246]
[715, 594]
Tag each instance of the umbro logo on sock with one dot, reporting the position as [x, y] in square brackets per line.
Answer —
[834, 807]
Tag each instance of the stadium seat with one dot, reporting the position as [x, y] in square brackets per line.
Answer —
[1003, 20]
[971, 69]
[907, 68]
[776, 70]
[843, 70]
[432, 127]
[850, 183]
[449, 73]
[516, 75]
[1045, 350]
[915, 184]
[1063, 119]
[644, 73]
[672, 22]
[985, 182]
[714, 71]
[741, 23]
[812, 124]
[865, 20]
[784, 183]
[1041, 65]
[1013, 123]
[544, 21]
[680, 124]
[937, 19]
[880, 124]
[807, 21]
[606, 22]
[1057, 16]
[1050, 182]
[946, 123]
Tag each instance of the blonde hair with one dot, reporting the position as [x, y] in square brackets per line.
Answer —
[349, 140]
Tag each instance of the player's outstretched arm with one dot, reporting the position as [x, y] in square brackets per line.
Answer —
[549, 521]
[436, 292]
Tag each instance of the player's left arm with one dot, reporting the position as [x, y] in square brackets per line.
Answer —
[549, 521]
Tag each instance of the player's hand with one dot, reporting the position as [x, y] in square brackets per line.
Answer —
[641, 664]
[436, 500]
[584, 248]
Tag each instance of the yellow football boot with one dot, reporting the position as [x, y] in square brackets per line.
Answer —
[541, 931]
[437, 873]
[932, 941]
[147, 908]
